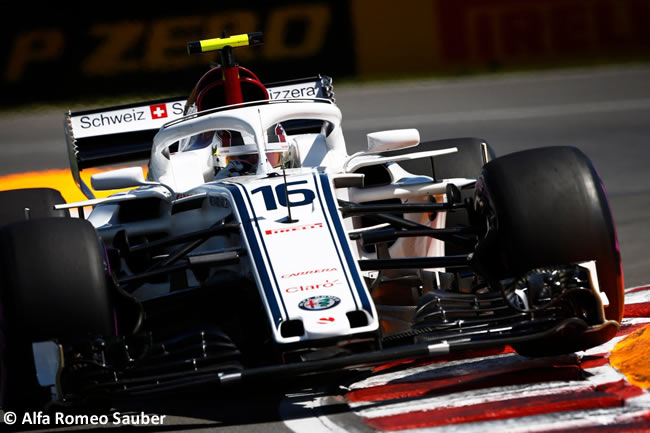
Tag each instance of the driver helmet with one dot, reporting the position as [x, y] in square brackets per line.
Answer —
[281, 150]
[232, 146]
[235, 146]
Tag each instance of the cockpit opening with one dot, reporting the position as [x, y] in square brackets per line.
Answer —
[235, 152]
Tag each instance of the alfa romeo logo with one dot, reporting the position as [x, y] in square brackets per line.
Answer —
[316, 303]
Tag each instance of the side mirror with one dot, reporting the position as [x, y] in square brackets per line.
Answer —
[392, 140]
[118, 179]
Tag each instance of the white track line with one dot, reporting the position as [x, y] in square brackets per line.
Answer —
[637, 297]
[645, 286]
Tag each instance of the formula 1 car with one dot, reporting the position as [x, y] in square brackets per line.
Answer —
[256, 246]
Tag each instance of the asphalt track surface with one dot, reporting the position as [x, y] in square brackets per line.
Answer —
[605, 112]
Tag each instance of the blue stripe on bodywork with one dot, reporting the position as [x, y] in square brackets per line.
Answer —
[266, 252]
[338, 253]
[246, 222]
[345, 246]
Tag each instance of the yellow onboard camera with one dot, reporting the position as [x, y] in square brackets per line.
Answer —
[216, 44]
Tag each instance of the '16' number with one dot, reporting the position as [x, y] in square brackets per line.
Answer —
[282, 192]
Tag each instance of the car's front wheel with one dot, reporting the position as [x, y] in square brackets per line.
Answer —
[547, 207]
[53, 286]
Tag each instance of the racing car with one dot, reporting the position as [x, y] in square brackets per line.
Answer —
[256, 246]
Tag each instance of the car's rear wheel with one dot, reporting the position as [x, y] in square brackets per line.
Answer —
[53, 286]
[548, 207]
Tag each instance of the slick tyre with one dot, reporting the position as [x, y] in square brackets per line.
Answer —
[39, 203]
[548, 207]
[53, 286]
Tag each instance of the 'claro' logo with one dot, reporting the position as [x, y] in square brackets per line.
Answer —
[114, 51]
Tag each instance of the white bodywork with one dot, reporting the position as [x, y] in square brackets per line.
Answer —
[305, 269]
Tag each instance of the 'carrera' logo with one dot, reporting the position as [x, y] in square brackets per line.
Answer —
[317, 303]
[294, 229]
[313, 271]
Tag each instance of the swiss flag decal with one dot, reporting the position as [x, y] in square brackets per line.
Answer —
[158, 111]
